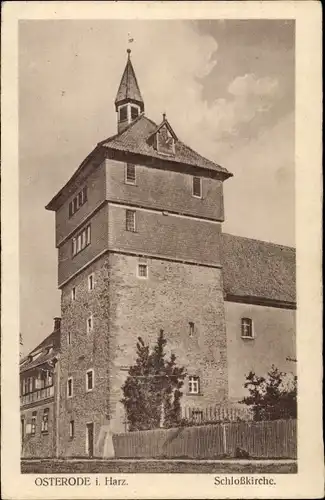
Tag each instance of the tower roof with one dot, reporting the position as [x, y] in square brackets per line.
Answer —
[129, 88]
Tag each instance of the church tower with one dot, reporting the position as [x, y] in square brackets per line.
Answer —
[128, 103]
[138, 232]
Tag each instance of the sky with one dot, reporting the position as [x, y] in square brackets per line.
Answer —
[227, 87]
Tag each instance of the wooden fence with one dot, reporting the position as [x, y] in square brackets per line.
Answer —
[265, 439]
[219, 413]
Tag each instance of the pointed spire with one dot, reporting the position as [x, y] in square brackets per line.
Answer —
[128, 90]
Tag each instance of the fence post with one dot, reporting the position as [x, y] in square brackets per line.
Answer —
[224, 438]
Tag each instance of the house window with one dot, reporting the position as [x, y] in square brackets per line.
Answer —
[90, 282]
[142, 270]
[45, 420]
[81, 240]
[89, 380]
[90, 324]
[194, 385]
[134, 112]
[71, 429]
[70, 387]
[247, 328]
[197, 187]
[73, 293]
[130, 220]
[78, 201]
[191, 325]
[123, 113]
[33, 425]
[130, 173]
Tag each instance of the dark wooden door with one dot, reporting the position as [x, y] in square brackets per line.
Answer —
[90, 440]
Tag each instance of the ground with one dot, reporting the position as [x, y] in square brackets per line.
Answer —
[102, 466]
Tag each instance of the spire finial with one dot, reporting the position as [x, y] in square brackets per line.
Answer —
[129, 52]
[164, 116]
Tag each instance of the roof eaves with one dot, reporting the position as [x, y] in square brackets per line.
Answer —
[52, 204]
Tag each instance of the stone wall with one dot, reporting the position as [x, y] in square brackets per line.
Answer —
[86, 351]
[173, 295]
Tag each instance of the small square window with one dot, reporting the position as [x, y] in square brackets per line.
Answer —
[197, 187]
[90, 324]
[91, 282]
[130, 173]
[130, 220]
[193, 385]
[247, 328]
[71, 429]
[89, 380]
[142, 270]
[73, 293]
[70, 387]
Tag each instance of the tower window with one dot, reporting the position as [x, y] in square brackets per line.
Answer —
[89, 380]
[142, 271]
[247, 328]
[91, 282]
[73, 293]
[134, 112]
[70, 387]
[130, 220]
[197, 187]
[45, 420]
[123, 113]
[71, 429]
[130, 173]
[193, 385]
[90, 324]
[191, 325]
[78, 201]
[69, 338]
[81, 241]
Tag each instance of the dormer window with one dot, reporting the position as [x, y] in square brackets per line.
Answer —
[165, 141]
[123, 113]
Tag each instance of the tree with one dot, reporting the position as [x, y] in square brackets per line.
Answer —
[152, 389]
[272, 397]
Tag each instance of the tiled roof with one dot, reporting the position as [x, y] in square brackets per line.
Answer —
[254, 268]
[129, 88]
[52, 340]
[134, 139]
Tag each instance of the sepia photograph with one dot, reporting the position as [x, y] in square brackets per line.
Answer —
[157, 236]
[162, 176]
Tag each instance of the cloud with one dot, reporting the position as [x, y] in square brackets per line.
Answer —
[249, 84]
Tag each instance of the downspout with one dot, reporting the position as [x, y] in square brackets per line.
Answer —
[57, 403]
